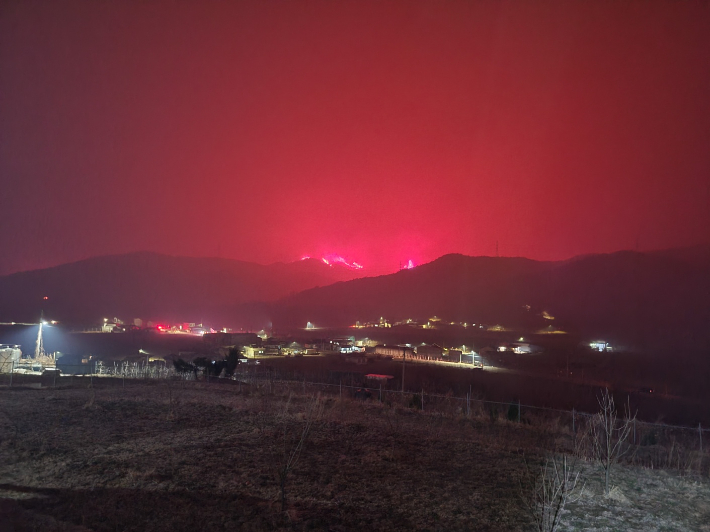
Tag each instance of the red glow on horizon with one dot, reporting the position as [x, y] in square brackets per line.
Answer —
[354, 127]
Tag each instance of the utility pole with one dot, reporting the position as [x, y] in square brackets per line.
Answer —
[404, 358]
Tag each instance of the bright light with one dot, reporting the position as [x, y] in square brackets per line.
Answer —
[331, 259]
[337, 259]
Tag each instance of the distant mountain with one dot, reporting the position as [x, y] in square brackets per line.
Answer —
[634, 298]
[650, 299]
[155, 286]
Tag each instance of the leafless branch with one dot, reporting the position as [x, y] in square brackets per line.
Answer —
[548, 490]
[609, 434]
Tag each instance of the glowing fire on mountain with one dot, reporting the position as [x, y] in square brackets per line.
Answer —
[332, 259]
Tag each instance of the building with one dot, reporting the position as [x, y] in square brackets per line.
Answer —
[468, 358]
[251, 351]
[430, 352]
[394, 351]
[294, 348]
[347, 349]
[272, 346]
[600, 345]
[108, 326]
[454, 355]
[523, 348]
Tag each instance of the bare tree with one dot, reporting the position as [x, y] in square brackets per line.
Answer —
[295, 435]
[609, 434]
[547, 491]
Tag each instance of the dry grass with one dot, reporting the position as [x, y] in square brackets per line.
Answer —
[200, 457]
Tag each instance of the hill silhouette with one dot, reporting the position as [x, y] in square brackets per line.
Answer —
[638, 299]
[646, 300]
[154, 286]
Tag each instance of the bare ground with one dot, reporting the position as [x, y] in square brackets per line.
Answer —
[190, 456]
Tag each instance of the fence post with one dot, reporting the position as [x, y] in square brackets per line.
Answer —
[700, 432]
[12, 370]
[634, 431]
[574, 430]
[518, 410]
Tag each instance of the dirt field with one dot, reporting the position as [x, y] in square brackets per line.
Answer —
[196, 456]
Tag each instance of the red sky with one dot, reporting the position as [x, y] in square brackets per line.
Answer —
[381, 131]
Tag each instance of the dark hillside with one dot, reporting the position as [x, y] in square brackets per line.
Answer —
[639, 299]
[154, 286]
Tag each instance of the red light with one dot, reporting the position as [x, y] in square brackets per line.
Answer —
[45, 298]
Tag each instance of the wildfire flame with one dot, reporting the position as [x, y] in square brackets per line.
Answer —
[332, 259]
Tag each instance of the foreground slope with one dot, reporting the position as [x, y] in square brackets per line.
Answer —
[186, 456]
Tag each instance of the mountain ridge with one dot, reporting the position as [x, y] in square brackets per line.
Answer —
[633, 297]
[154, 286]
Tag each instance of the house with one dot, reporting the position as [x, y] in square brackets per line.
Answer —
[251, 351]
[429, 352]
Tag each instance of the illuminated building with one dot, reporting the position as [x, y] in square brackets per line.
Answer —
[394, 351]
[600, 345]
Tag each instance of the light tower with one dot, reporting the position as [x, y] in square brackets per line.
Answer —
[39, 344]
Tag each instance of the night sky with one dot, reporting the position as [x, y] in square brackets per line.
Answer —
[380, 131]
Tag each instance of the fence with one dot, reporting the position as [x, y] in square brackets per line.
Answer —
[643, 433]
